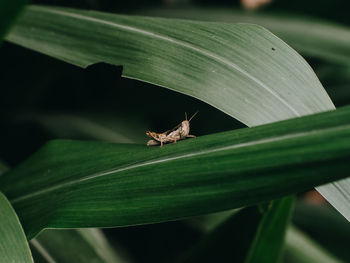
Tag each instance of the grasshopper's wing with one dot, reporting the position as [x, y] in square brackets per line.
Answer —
[173, 129]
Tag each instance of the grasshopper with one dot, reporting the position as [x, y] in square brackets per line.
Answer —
[179, 132]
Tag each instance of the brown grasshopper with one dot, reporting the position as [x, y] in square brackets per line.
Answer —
[179, 132]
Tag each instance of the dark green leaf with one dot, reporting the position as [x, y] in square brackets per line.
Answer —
[325, 226]
[80, 245]
[90, 184]
[256, 232]
[301, 249]
[241, 69]
[229, 241]
[310, 36]
[13, 243]
[269, 238]
[232, 231]
[9, 10]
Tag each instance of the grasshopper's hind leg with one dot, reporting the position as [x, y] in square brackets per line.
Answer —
[152, 142]
[190, 136]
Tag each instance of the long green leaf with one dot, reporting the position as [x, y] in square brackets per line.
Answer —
[87, 184]
[257, 232]
[269, 239]
[101, 127]
[78, 245]
[13, 243]
[9, 10]
[300, 248]
[325, 226]
[241, 69]
[229, 240]
[310, 36]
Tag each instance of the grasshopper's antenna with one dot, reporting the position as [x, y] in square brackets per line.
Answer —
[192, 116]
[186, 116]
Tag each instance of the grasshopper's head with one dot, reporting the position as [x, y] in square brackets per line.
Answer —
[150, 134]
[185, 128]
[185, 125]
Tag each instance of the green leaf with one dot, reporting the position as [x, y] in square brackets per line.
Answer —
[326, 226]
[94, 184]
[241, 69]
[338, 194]
[229, 240]
[300, 248]
[100, 127]
[80, 245]
[269, 239]
[255, 231]
[13, 242]
[310, 36]
[9, 11]
[3, 167]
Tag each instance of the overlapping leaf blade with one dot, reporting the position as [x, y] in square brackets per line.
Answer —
[241, 69]
[13, 243]
[301, 248]
[312, 37]
[79, 245]
[254, 234]
[9, 10]
[269, 239]
[87, 184]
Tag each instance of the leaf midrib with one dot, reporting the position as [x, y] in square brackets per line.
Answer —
[168, 159]
[174, 41]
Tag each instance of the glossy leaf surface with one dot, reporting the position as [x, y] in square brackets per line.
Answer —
[94, 184]
[310, 36]
[13, 242]
[241, 69]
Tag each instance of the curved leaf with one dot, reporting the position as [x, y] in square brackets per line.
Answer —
[229, 240]
[13, 243]
[78, 245]
[87, 184]
[257, 232]
[241, 69]
[269, 239]
[310, 36]
[300, 248]
[9, 10]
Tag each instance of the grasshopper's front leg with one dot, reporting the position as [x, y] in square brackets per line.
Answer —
[190, 136]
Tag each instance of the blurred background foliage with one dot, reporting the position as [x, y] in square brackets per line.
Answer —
[43, 98]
